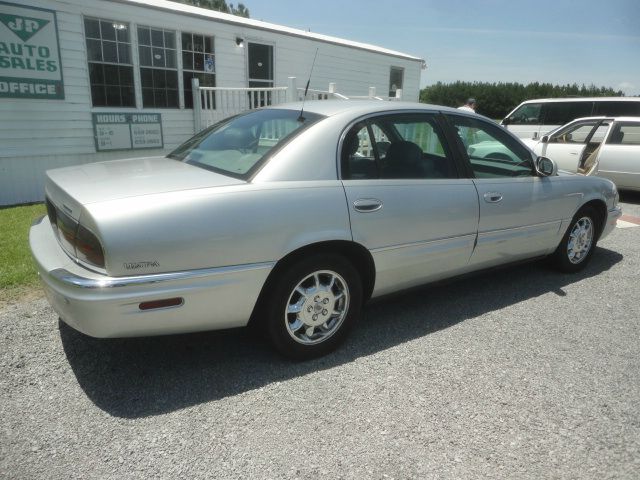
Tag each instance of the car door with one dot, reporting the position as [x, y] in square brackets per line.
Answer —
[572, 145]
[619, 158]
[520, 212]
[407, 203]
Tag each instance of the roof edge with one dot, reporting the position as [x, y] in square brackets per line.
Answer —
[189, 10]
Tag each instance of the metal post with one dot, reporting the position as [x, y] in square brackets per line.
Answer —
[292, 89]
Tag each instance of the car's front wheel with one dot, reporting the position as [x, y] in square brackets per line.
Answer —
[313, 306]
[577, 245]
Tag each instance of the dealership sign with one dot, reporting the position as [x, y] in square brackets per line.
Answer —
[30, 64]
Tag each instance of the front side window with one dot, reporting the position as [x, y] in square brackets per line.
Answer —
[528, 114]
[158, 68]
[491, 151]
[239, 145]
[198, 61]
[110, 67]
[576, 133]
[399, 146]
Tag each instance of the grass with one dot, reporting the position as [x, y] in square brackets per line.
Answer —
[17, 269]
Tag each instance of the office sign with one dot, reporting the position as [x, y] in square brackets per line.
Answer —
[127, 131]
[30, 65]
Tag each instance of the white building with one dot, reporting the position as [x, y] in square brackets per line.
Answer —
[91, 80]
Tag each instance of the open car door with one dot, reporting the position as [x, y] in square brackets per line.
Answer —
[575, 147]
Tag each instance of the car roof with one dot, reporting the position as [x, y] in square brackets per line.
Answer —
[582, 99]
[606, 117]
[333, 107]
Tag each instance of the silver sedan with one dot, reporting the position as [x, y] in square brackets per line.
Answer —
[288, 219]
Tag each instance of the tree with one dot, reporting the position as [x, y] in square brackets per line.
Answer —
[219, 5]
[495, 100]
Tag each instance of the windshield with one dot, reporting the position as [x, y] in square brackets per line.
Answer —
[238, 146]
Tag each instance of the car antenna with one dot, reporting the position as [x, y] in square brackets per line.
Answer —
[306, 89]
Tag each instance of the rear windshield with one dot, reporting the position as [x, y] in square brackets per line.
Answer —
[239, 145]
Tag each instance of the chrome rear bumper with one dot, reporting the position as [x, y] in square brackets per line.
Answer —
[103, 306]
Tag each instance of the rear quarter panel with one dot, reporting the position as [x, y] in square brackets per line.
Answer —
[222, 226]
[620, 164]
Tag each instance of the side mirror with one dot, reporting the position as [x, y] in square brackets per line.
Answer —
[545, 139]
[546, 167]
[506, 121]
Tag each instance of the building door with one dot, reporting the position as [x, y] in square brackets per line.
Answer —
[396, 78]
[260, 58]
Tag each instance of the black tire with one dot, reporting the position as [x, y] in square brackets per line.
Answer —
[324, 317]
[584, 229]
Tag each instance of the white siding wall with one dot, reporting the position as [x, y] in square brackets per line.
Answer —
[36, 135]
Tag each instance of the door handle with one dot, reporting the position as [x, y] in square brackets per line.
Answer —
[366, 205]
[573, 153]
[492, 197]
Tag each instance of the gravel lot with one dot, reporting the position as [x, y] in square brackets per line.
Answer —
[516, 373]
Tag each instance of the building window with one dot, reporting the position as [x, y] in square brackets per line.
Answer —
[158, 68]
[198, 61]
[110, 67]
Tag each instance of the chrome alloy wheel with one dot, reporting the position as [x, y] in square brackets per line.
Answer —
[317, 307]
[580, 240]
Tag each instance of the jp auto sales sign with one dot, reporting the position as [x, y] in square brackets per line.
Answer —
[30, 64]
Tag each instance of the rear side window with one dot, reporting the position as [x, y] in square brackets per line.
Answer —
[618, 109]
[407, 146]
[559, 113]
[625, 134]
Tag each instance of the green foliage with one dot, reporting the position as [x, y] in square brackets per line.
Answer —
[219, 5]
[495, 100]
[16, 265]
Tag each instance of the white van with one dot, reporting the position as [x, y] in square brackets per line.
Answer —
[534, 118]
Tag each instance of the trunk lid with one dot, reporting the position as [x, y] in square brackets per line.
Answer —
[72, 187]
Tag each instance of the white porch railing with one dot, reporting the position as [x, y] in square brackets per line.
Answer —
[213, 104]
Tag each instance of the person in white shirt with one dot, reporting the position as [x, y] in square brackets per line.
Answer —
[470, 106]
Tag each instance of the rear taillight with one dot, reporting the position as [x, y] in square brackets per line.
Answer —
[75, 239]
[88, 248]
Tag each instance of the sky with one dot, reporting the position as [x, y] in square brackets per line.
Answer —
[560, 42]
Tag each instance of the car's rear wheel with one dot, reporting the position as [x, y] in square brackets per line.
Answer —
[313, 305]
[577, 245]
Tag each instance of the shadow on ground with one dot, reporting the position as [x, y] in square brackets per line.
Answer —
[141, 377]
[630, 197]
